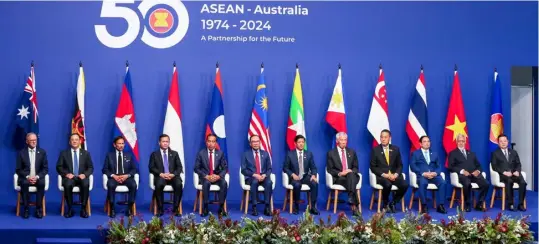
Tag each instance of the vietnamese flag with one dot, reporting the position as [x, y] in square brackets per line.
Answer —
[455, 122]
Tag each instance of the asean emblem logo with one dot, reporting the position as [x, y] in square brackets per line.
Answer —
[496, 127]
[161, 20]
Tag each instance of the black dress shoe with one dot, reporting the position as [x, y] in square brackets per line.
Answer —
[391, 208]
[511, 207]
[521, 207]
[177, 213]
[26, 213]
[295, 209]
[112, 213]
[441, 209]
[479, 207]
[314, 211]
[222, 212]
[69, 213]
[424, 209]
[83, 214]
[254, 212]
[267, 211]
[205, 213]
[39, 213]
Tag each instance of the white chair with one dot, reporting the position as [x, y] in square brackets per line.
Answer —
[213, 188]
[167, 189]
[31, 189]
[498, 185]
[378, 189]
[119, 189]
[456, 184]
[415, 186]
[339, 189]
[76, 190]
[289, 195]
[247, 188]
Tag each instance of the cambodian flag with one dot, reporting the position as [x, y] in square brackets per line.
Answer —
[124, 120]
[496, 115]
[216, 118]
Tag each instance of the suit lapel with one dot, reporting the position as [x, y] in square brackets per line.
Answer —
[391, 156]
[337, 153]
[81, 160]
[295, 160]
[27, 156]
[169, 160]
[70, 159]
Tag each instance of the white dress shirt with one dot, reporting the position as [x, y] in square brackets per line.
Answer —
[32, 157]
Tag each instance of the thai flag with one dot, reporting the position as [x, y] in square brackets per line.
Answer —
[216, 118]
[124, 119]
[259, 116]
[417, 118]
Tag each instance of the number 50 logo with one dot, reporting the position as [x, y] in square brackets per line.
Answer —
[111, 10]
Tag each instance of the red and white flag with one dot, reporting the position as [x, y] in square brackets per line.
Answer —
[173, 122]
[336, 114]
[379, 116]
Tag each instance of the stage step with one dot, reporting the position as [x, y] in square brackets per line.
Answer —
[63, 240]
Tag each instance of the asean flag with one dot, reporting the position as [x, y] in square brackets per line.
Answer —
[124, 120]
[216, 118]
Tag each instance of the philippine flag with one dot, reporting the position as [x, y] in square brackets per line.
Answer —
[216, 118]
[125, 118]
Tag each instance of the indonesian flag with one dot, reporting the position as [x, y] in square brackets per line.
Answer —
[378, 117]
[455, 122]
[173, 122]
[336, 115]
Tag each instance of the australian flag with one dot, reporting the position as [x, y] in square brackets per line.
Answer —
[124, 120]
[27, 113]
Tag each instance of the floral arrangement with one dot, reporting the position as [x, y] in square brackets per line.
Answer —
[379, 229]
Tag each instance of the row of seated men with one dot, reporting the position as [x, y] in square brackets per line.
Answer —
[75, 166]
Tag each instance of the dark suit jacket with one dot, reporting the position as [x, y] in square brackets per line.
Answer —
[458, 162]
[109, 167]
[23, 163]
[291, 164]
[419, 165]
[334, 165]
[500, 163]
[202, 164]
[174, 163]
[64, 165]
[248, 167]
[379, 164]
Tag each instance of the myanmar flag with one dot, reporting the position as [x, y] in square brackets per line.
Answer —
[296, 124]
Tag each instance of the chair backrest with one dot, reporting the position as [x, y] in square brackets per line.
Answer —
[413, 177]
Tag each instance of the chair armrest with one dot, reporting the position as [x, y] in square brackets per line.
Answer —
[91, 182]
[272, 177]
[329, 180]
[137, 179]
[195, 180]
[46, 182]
[15, 181]
[105, 180]
[285, 179]
[150, 182]
[227, 179]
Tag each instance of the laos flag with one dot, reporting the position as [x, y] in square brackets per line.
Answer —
[216, 118]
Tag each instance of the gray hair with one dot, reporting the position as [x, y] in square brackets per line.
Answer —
[461, 135]
[29, 134]
[340, 134]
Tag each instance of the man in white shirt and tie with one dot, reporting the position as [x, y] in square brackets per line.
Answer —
[32, 166]
[120, 168]
[427, 167]
[75, 166]
[467, 166]
[506, 162]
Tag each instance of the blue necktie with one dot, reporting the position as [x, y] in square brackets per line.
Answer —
[165, 160]
[76, 166]
[426, 154]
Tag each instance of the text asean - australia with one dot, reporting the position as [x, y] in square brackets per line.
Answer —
[161, 20]
[258, 9]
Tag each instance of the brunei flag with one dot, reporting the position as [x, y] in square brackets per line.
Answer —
[77, 121]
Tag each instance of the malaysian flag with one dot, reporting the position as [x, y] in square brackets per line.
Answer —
[259, 117]
[417, 118]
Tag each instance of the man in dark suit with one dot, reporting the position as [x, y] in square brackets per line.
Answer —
[256, 167]
[120, 169]
[386, 164]
[426, 165]
[342, 164]
[466, 165]
[75, 166]
[506, 162]
[300, 167]
[166, 166]
[32, 166]
[211, 168]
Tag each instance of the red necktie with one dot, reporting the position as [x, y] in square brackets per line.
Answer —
[211, 162]
[343, 161]
[257, 162]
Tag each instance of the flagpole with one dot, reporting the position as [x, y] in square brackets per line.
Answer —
[174, 64]
[455, 67]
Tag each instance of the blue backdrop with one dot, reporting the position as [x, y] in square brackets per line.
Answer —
[477, 36]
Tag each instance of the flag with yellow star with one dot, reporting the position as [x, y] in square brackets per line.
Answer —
[455, 122]
[336, 114]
